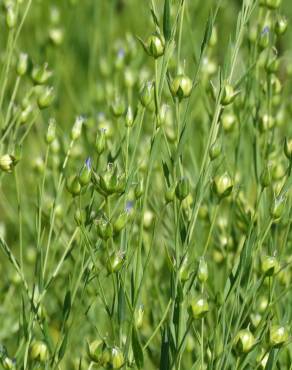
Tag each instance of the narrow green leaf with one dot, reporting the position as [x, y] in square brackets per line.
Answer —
[166, 20]
[63, 347]
[137, 349]
[208, 33]
[164, 356]
[67, 305]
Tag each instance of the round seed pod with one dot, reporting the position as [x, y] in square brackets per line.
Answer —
[277, 208]
[94, 350]
[182, 189]
[244, 341]
[273, 4]
[281, 26]
[222, 185]
[7, 163]
[39, 351]
[181, 87]
[202, 270]
[45, 97]
[104, 228]
[73, 185]
[215, 150]
[199, 307]
[117, 358]
[155, 45]
[228, 95]
[269, 266]
[278, 335]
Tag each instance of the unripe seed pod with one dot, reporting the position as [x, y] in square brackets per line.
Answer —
[244, 341]
[273, 4]
[115, 262]
[7, 163]
[155, 46]
[269, 266]
[215, 150]
[117, 358]
[85, 173]
[281, 26]
[255, 319]
[228, 95]
[105, 359]
[146, 94]
[8, 363]
[100, 142]
[266, 122]
[228, 121]
[181, 87]
[277, 208]
[184, 271]
[77, 128]
[104, 228]
[138, 316]
[11, 16]
[288, 148]
[56, 36]
[39, 351]
[278, 335]
[25, 113]
[266, 177]
[199, 307]
[94, 350]
[129, 117]
[121, 222]
[262, 304]
[169, 194]
[51, 132]
[222, 185]
[264, 39]
[45, 97]
[41, 74]
[73, 185]
[182, 189]
[22, 64]
[202, 270]
[118, 107]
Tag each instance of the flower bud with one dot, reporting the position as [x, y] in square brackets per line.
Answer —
[77, 128]
[104, 228]
[278, 335]
[264, 39]
[244, 341]
[115, 262]
[56, 36]
[228, 95]
[202, 270]
[269, 266]
[266, 122]
[73, 185]
[117, 358]
[85, 173]
[138, 316]
[255, 319]
[228, 121]
[100, 142]
[146, 94]
[11, 16]
[22, 64]
[277, 208]
[169, 194]
[94, 350]
[288, 148]
[181, 87]
[266, 177]
[51, 132]
[215, 150]
[45, 97]
[7, 163]
[222, 185]
[182, 189]
[8, 363]
[39, 351]
[199, 307]
[118, 107]
[129, 117]
[155, 46]
[121, 222]
[281, 26]
[41, 74]
[273, 4]
[184, 270]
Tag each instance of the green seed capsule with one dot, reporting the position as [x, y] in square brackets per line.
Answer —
[262, 359]
[228, 121]
[199, 307]
[277, 208]
[215, 150]
[121, 222]
[118, 107]
[11, 16]
[22, 64]
[8, 363]
[85, 173]
[117, 358]
[39, 351]
[7, 163]
[181, 87]
[73, 185]
[182, 189]
[222, 185]
[45, 97]
[77, 128]
[266, 177]
[228, 95]
[155, 46]
[169, 194]
[129, 117]
[269, 266]
[273, 4]
[138, 316]
[51, 132]
[202, 270]
[94, 350]
[244, 341]
[264, 39]
[56, 36]
[100, 142]
[104, 228]
[115, 262]
[41, 74]
[281, 26]
[278, 335]
[147, 94]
